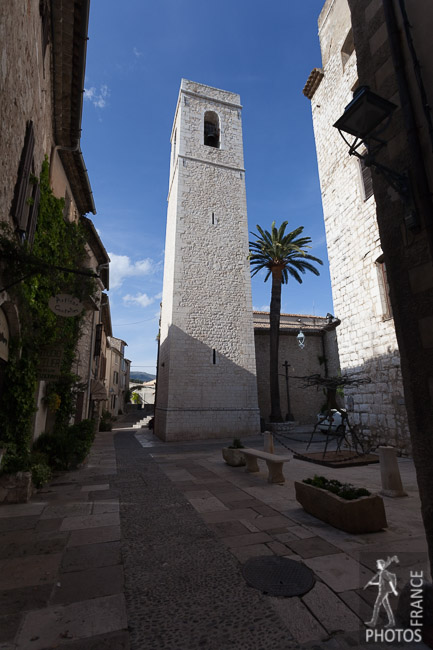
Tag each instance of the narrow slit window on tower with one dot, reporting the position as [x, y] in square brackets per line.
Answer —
[214, 356]
[211, 130]
[366, 180]
[347, 49]
[383, 288]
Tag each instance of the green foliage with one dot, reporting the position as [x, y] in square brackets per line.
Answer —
[68, 448]
[237, 444]
[343, 490]
[275, 249]
[56, 243]
[41, 474]
[106, 421]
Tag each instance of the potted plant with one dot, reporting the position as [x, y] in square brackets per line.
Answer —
[354, 510]
[232, 455]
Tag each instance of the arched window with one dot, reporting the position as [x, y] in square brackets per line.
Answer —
[211, 130]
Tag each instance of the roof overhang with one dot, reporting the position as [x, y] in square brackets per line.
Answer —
[69, 26]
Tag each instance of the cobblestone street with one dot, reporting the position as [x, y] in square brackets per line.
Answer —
[143, 548]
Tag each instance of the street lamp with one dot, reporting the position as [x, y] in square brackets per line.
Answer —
[289, 416]
[365, 117]
[301, 339]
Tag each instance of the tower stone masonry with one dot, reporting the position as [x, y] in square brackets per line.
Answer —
[206, 372]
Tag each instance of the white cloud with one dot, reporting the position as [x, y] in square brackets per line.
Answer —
[141, 299]
[98, 98]
[122, 267]
[137, 52]
[263, 308]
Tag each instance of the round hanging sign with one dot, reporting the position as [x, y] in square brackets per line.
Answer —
[65, 305]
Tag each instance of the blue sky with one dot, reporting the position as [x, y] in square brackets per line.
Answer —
[138, 52]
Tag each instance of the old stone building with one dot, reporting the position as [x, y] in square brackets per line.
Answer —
[367, 339]
[206, 383]
[117, 375]
[318, 355]
[42, 82]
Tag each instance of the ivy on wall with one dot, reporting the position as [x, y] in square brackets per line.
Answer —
[57, 242]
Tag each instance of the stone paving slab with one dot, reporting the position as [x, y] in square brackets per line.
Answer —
[301, 623]
[59, 511]
[236, 541]
[330, 610]
[30, 570]
[13, 601]
[339, 571]
[18, 547]
[50, 626]
[312, 547]
[91, 583]
[92, 521]
[90, 556]
[21, 509]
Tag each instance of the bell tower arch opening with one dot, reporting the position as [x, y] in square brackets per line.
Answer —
[212, 131]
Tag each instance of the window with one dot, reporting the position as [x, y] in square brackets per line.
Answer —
[366, 180]
[211, 130]
[383, 288]
[27, 192]
[115, 377]
[45, 18]
[347, 49]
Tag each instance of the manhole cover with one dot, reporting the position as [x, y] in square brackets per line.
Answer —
[278, 576]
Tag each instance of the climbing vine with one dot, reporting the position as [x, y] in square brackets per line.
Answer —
[57, 243]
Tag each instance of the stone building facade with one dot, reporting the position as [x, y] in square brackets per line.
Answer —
[318, 356]
[42, 70]
[207, 372]
[117, 375]
[367, 340]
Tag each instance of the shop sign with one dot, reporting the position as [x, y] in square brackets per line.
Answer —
[65, 305]
[50, 362]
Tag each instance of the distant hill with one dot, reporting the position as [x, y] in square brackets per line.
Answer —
[141, 376]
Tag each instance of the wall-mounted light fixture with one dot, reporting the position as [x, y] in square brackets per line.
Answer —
[365, 118]
[301, 339]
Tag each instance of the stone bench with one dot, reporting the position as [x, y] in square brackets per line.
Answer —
[273, 461]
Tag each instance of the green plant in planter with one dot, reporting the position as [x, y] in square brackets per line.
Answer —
[68, 448]
[106, 421]
[344, 490]
[237, 444]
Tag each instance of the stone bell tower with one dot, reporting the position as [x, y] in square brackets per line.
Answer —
[206, 384]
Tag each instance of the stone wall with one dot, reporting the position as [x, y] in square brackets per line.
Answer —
[366, 337]
[319, 356]
[25, 82]
[207, 374]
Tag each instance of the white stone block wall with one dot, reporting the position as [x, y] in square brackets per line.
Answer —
[206, 376]
[366, 337]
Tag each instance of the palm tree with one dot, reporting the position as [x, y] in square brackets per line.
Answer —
[282, 255]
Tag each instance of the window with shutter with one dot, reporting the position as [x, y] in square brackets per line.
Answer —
[27, 192]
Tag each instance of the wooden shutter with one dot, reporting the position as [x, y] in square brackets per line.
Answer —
[20, 211]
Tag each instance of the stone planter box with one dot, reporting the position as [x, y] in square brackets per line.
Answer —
[16, 488]
[363, 515]
[233, 457]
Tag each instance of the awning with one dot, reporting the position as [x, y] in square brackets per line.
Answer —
[98, 390]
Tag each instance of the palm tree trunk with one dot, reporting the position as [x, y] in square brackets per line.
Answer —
[274, 339]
